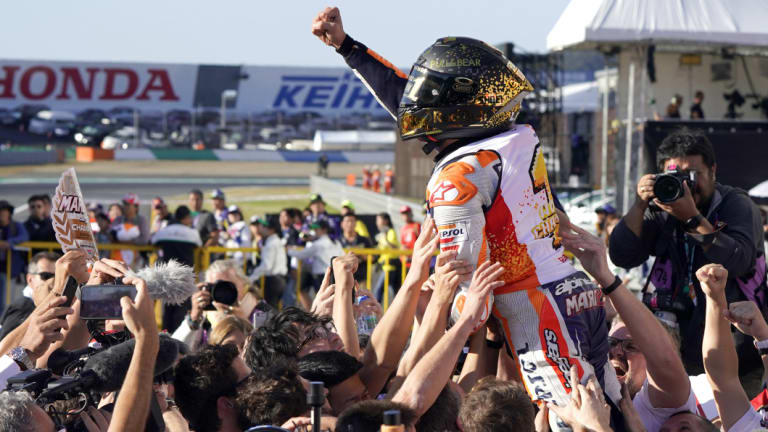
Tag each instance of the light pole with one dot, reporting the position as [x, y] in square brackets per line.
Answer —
[225, 95]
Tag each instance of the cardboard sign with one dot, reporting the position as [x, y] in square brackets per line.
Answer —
[70, 217]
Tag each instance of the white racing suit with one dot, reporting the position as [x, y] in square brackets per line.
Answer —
[491, 200]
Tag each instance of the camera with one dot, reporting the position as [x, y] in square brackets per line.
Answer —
[222, 291]
[669, 185]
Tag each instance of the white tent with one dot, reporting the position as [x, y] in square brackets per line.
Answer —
[736, 24]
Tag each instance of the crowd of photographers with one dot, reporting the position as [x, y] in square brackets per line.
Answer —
[690, 348]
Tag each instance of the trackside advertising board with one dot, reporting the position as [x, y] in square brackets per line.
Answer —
[76, 86]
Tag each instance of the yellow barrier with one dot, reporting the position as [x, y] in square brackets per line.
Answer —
[203, 261]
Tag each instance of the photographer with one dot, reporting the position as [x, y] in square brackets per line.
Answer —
[226, 275]
[708, 222]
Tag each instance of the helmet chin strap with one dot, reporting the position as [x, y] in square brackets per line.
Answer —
[430, 144]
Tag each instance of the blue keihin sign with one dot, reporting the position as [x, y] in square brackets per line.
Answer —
[330, 91]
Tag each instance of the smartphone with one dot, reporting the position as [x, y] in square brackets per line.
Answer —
[333, 278]
[69, 291]
[103, 301]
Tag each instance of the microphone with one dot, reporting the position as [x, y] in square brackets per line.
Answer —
[171, 282]
[111, 365]
[60, 359]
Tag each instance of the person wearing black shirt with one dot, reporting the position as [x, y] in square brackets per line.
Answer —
[203, 220]
[39, 225]
[350, 239]
[41, 268]
[696, 112]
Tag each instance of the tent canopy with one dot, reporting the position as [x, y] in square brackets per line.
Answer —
[738, 24]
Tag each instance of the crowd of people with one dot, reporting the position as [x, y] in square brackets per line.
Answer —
[491, 329]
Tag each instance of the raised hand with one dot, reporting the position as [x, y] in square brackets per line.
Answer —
[713, 278]
[591, 252]
[107, 270]
[449, 273]
[73, 263]
[139, 314]
[587, 407]
[423, 250]
[328, 28]
[476, 308]
[323, 302]
[45, 325]
[746, 317]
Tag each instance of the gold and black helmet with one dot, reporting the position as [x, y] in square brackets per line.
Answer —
[460, 88]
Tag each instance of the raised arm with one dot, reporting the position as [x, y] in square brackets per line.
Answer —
[132, 406]
[383, 79]
[668, 384]
[424, 383]
[718, 350]
[344, 268]
[746, 316]
[388, 340]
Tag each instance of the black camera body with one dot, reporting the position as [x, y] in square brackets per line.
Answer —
[222, 291]
[669, 185]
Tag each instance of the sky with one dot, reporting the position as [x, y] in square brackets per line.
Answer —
[258, 32]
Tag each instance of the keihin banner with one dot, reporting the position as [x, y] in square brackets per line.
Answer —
[75, 86]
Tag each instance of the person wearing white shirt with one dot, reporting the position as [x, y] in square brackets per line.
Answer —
[274, 263]
[237, 234]
[320, 251]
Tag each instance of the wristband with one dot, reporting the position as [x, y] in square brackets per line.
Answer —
[194, 325]
[346, 46]
[612, 287]
[762, 346]
[494, 344]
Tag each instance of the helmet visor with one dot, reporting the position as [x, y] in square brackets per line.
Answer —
[427, 88]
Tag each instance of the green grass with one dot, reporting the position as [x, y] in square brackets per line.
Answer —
[258, 200]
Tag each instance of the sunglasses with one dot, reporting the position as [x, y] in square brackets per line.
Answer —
[626, 345]
[45, 275]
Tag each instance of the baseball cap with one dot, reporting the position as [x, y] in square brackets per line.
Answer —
[217, 194]
[600, 210]
[131, 198]
[316, 198]
[233, 209]
[348, 204]
[405, 209]
[609, 209]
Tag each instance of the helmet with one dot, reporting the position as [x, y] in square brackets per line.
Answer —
[460, 88]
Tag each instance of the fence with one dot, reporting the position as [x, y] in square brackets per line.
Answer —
[203, 261]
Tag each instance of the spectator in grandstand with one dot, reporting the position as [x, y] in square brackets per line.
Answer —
[351, 239]
[320, 250]
[237, 233]
[11, 234]
[289, 227]
[348, 207]
[39, 225]
[409, 231]
[387, 239]
[203, 220]
[249, 306]
[318, 213]
[177, 241]
[162, 217]
[220, 210]
[274, 262]
[115, 211]
[131, 228]
[104, 233]
[41, 268]
[231, 330]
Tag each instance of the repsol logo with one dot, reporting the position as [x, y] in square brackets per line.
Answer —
[553, 352]
[453, 232]
[323, 92]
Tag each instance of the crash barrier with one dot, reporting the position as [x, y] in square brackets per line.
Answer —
[203, 259]
[367, 157]
[27, 156]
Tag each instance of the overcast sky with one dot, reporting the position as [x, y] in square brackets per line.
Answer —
[258, 32]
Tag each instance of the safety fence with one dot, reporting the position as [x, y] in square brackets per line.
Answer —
[203, 259]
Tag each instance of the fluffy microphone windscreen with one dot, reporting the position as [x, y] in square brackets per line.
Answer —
[171, 282]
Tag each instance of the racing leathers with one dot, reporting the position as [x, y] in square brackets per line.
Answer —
[491, 200]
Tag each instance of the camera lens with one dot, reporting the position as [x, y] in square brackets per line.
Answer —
[224, 292]
[667, 188]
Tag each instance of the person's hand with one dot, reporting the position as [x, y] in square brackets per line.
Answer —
[712, 278]
[323, 302]
[96, 420]
[346, 263]
[139, 314]
[591, 252]
[233, 309]
[682, 208]
[587, 407]
[645, 188]
[200, 300]
[106, 271]
[484, 281]
[449, 273]
[328, 28]
[423, 250]
[746, 317]
[73, 263]
[632, 419]
[45, 326]
[541, 422]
